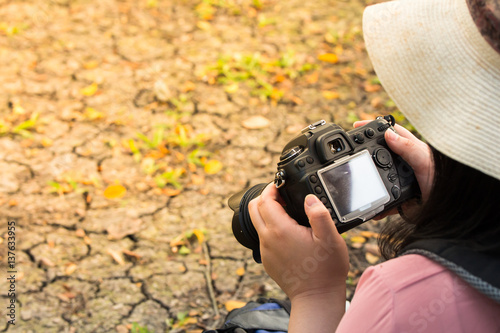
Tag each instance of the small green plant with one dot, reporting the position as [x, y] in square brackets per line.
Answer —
[136, 328]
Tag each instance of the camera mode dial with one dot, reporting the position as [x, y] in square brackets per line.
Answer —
[290, 154]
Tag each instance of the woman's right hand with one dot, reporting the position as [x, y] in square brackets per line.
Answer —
[415, 152]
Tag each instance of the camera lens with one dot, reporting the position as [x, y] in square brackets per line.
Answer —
[243, 228]
[336, 145]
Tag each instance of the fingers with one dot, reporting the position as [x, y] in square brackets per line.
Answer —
[361, 123]
[417, 154]
[319, 217]
[266, 211]
[411, 149]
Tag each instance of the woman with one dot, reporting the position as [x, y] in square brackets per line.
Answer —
[439, 60]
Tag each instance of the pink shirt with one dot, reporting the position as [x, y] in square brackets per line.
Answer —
[413, 294]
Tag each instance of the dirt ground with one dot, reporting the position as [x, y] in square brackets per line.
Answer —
[125, 125]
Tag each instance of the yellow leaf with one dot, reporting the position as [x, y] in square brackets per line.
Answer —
[212, 167]
[89, 90]
[372, 259]
[93, 114]
[199, 235]
[70, 269]
[115, 192]
[46, 142]
[231, 305]
[329, 57]
[240, 271]
[330, 94]
[369, 234]
[91, 64]
[232, 88]
[358, 239]
[204, 25]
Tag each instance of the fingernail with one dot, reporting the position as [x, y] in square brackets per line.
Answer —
[312, 200]
[391, 135]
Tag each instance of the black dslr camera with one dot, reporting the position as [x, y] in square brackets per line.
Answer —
[354, 174]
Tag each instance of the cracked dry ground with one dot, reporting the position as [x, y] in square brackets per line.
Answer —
[181, 102]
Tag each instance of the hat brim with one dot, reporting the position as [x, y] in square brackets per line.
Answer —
[441, 73]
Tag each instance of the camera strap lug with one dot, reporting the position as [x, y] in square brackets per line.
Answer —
[279, 179]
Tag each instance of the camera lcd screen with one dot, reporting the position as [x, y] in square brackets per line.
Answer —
[354, 186]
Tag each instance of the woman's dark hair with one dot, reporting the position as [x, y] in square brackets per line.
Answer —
[463, 206]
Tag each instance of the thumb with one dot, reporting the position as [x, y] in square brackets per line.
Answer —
[321, 222]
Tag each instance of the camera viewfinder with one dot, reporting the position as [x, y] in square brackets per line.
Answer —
[336, 146]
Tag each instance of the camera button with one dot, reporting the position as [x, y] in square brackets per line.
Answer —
[382, 157]
[383, 127]
[301, 163]
[359, 138]
[310, 160]
[324, 200]
[396, 192]
[313, 179]
[369, 132]
[392, 177]
[318, 189]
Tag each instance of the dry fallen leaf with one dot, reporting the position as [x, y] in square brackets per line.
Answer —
[372, 87]
[329, 57]
[171, 192]
[197, 179]
[312, 78]
[358, 239]
[240, 271]
[162, 91]
[212, 167]
[188, 86]
[115, 192]
[116, 256]
[369, 234]
[204, 25]
[132, 254]
[330, 94]
[372, 259]
[70, 269]
[231, 305]
[89, 90]
[46, 262]
[80, 233]
[256, 122]
[199, 235]
[232, 88]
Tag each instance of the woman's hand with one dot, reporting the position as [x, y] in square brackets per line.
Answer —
[303, 261]
[309, 264]
[415, 152]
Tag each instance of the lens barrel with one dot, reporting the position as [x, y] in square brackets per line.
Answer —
[243, 228]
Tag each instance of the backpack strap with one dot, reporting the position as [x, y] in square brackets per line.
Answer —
[479, 270]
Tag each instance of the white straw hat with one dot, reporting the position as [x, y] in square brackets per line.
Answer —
[442, 74]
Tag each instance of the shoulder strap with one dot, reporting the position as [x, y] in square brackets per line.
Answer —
[479, 270]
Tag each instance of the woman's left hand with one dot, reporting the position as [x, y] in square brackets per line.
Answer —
[305, 262]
